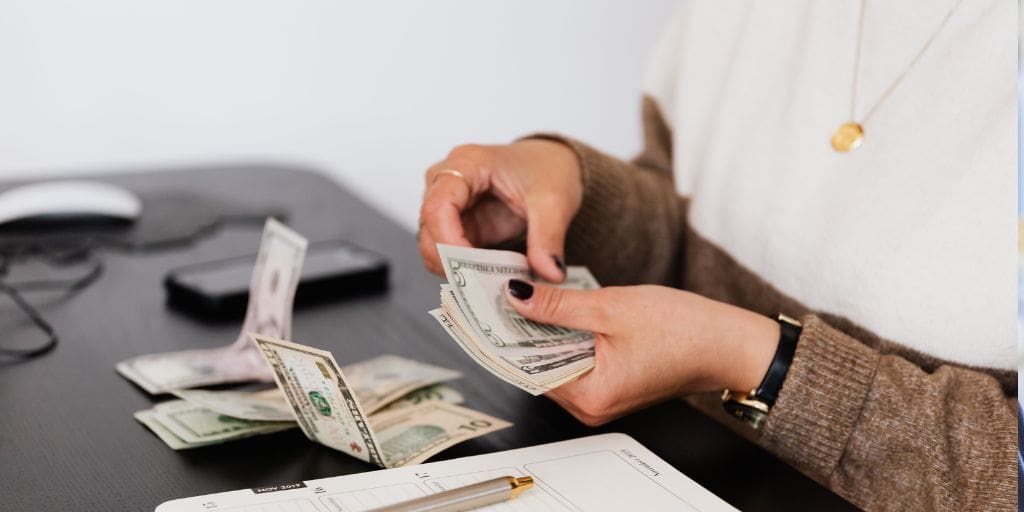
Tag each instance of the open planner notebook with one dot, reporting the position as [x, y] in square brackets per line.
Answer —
[608, 472]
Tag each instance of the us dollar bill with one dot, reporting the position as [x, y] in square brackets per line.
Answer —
[386, 381]
[329, 411]
[150, 420]
[436, 393]
[469, 347]
[195, 425]
[534, 356]
[478, 278]
[412, 435]
[266, 405]
[322, 400]
[228, 407]
[272, 286]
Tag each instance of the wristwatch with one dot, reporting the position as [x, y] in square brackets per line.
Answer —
[753, 407]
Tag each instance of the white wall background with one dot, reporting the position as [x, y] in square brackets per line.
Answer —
[370, 91]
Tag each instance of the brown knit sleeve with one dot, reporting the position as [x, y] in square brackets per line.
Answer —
[629, 229]
[887, 435]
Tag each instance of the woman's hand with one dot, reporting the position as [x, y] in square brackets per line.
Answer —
[652, 343]
[533, 186]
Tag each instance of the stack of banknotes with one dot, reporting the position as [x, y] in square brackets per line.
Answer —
[389, 411]
[533, 356]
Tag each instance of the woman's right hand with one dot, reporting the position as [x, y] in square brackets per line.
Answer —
[533, 186]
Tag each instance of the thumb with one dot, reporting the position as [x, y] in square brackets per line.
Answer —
[546, 225]
[575, 309]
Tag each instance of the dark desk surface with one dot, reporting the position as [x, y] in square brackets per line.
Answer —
[68, 440]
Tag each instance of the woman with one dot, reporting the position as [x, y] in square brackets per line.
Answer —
[845, 164]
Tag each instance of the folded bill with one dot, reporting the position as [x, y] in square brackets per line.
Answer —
[329, 411]
[381, 382]
[414, 434]
[275, 278]
[243, 411]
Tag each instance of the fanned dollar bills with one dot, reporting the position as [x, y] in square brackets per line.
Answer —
[329, 412]
[205, 417]
[271, 404]
[271, 294]
[474, 312]
[388, 411]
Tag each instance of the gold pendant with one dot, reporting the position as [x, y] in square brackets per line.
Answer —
[847, 137]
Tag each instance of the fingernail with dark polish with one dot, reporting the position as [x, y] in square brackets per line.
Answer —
[559, 262]
[520, 289]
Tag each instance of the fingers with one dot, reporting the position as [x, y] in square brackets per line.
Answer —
[466, 159]
[455, 209]
[575, 309]
[443, 204]
[547, 222]
[428, 250]
[584, 398]
[446, 197]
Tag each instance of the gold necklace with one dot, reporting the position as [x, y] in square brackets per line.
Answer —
[850, 134]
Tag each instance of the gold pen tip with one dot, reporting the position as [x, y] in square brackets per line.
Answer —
[520, 484]
[526, 481]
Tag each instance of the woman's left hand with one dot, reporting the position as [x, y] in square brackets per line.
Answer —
[652, 343]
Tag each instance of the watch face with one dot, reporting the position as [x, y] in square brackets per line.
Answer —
[748, 414]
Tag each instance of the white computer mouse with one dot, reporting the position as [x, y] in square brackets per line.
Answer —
[68, 200]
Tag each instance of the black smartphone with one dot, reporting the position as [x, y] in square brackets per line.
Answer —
[332, 270]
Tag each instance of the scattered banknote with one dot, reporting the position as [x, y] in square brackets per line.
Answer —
[386, 380]
[181, 424]
[149, 419]
[266, 405]
[271, 294]
[271, 404]
[414, 434]
[329, 412]
[436, 393]
[474, 312]
[247, 413]
[204, 417]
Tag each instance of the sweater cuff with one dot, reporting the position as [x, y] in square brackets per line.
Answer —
[821, 399]
[603, 186]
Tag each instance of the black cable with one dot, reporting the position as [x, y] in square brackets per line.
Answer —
[68, 285]
[63, 256]
[40, 322]
[14, 290]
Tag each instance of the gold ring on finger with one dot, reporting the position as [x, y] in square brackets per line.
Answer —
[450, 172]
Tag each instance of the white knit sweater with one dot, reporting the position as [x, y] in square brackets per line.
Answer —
[913, 235]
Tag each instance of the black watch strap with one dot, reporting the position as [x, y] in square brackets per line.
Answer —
[768, 391]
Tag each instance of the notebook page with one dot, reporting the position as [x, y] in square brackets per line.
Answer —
[608, 472]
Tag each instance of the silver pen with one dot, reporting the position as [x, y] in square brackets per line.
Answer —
[469, 497]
